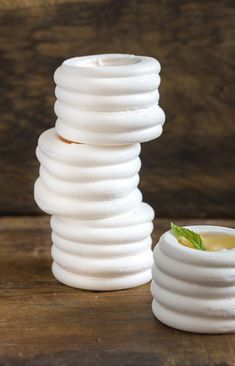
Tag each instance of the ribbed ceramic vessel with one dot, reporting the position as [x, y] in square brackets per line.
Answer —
[108, 99]
[86, 181]
[194, 290]
[105, 254]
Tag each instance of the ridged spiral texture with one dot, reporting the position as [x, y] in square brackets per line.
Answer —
[106, 254]
[194, 290]
[108, 99]
[86, 181]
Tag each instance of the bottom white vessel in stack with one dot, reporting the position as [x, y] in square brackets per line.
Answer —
[105, 254]
[194, 290]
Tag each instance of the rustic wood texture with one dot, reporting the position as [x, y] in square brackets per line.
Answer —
[45, 323]
[189, 171]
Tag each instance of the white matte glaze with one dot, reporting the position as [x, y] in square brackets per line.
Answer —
[89, 164]
[106, 254]
[194, 290]
[108, 99]
[86, 181]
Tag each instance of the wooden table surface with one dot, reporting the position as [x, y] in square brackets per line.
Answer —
[45, 323]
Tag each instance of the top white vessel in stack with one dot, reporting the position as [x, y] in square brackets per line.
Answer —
[108, 99]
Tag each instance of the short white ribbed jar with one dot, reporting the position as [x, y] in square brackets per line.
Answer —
[86, 181]
[106, 254]
[108, 99]
[194, 290]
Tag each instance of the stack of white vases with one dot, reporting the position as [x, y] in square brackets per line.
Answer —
[101, 230]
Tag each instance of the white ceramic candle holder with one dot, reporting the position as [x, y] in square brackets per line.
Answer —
[106, 254]
[108, 99]
[86, 181]
[194, 290]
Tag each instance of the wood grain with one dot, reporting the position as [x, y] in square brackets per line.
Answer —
[45, 323]
[189, 171]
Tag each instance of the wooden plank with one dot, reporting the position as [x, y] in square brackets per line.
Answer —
[45, 323]
[189, 170]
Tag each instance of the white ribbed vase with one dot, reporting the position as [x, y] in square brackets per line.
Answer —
[194, 290]
[105, 254]
[86, 181]
[108, 99]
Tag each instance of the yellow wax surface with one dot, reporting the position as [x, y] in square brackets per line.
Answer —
[213, 241]
[218, 241]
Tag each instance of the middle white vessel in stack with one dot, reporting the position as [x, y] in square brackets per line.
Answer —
[101, 230]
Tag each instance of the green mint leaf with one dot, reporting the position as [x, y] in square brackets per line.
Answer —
[191, 236]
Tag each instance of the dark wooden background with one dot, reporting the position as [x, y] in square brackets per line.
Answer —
[189, 171]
